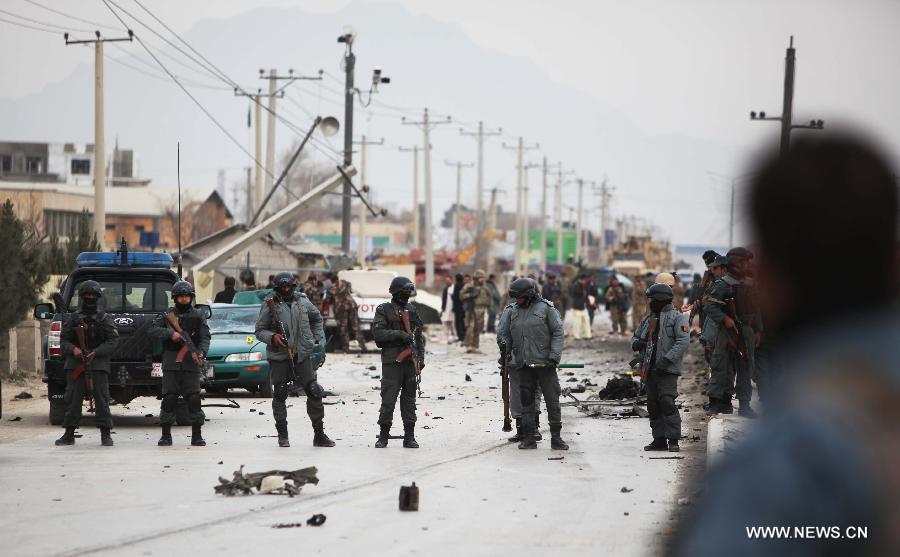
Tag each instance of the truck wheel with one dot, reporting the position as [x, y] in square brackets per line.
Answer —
[57, 411]
[265, 388]
[182, 415]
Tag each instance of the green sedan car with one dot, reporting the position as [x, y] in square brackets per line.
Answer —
[237, 358]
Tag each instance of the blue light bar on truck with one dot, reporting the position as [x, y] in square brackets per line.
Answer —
[113, 259]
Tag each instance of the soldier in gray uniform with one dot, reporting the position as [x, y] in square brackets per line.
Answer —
[101, 338]
[398, 378]
[303, 328]
[181, 378]
[728, 367]
[669, 343]
[532, 333]
[515, 401]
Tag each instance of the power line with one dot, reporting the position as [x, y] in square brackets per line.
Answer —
[45, 24]
[27, 26]
[76, 18]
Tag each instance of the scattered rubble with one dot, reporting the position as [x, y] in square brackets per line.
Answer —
[244, 484]
[626, 490]
[620, 387]
[23, 395]
[316, 520]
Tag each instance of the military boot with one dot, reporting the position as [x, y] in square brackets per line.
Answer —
[518, 436]
[165, 439]
[409, 437]
[527, 441]
[68, 438]
[281, 427]
[556, 442]
[725, 407]
[658, 444]
[196, 438]
[105, 437]
[320, 439]
[537, 428]
[673, 446]
[746, 411]
[383, 437]
[714, 407]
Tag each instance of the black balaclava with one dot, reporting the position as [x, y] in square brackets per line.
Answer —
[401, 297]
[89, 305]
[657, 306]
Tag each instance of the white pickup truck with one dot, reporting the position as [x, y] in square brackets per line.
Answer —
[370, 289]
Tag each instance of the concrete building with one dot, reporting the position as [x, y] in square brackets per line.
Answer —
[68, 163]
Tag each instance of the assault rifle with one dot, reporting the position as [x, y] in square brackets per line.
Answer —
[646, 361]
[187, 343]
[280, 329]
[736, 341]
[504, 381]
[411, 351]
[86, 366]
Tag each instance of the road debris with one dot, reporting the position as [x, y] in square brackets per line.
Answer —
[23, 395]
[244, 484]
[288, 525]
[316, 520]
[620, 387]
[16, 419]
[409, 497]
[468, 377]
[626, 490]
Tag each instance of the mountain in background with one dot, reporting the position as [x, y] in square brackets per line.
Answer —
[433, 64]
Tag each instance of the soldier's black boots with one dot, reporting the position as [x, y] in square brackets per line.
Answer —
[714, 407]
[556, 442]
[657, 445]
[409, 437]
[746, 411]
[537, 428]
[725, 407]
[673, 446]
[166, 439]
[518, 436]
[196, 438]
[282, 435]
[68, 438]
[320, 439]
[527, 441]
[105, 437]
[383, 437]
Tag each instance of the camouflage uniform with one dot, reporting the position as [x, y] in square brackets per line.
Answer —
[346, 312]
[314, 289]
[479, 296]
[618, 307]
[639, 305]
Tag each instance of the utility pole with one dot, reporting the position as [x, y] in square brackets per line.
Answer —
[520, 170]
[99, 141]
[429, 250]
[250, 204]
[415, 209]
[605, 193]
[456, 225]
[578, 229]
[544, 215]
[349, 66]
[557, 213]
[787, 108]
[526, 216]
[364, 190]
[491, 264]
[479, 184]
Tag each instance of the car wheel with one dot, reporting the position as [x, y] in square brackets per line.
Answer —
[265, 388]
[57, 411]
[182, 414]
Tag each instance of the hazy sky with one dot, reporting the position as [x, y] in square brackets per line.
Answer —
[689, 68]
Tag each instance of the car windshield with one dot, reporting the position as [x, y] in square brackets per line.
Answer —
[233, 320]
[129, 296]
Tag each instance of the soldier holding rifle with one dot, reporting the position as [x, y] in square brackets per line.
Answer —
[185, 337]
[531, 332]
[88, 339]
[397, 329]
[662, 339]
[291, 326]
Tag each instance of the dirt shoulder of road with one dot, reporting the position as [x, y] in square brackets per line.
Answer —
[26, 417]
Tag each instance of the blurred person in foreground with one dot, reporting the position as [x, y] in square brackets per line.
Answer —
[827, 452]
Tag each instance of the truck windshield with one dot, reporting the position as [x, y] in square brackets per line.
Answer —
[129, 296]
[233, 320]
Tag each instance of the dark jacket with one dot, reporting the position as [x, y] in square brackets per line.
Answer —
[302, 321]
[458, 306]
[387, 330]
[579, 295]
[101, 338]
[193, 323]
[533, 334]
[225, 296]
[673, 341]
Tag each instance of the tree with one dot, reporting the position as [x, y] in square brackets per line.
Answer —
[81, 238]
[24, 269]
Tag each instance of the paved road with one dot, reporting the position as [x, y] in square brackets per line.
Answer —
[479, 494]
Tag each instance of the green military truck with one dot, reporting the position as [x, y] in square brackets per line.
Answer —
[136, 288]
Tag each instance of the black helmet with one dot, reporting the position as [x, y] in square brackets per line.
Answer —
[402, 283]
[660, 293]
[521, 287]
[182, 288]
[89, 287]
[284, 279]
